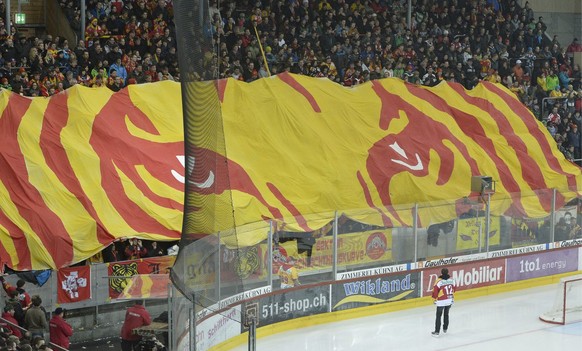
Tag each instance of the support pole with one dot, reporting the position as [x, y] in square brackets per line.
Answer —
[334, 248]
[170, 340]
[553, 217]
[218, 276]
[270, 255]
[83, 20]
[478, 223]
[252, 334]
[409, 15]
[415, 232]
[192, 326]
[487, 221]
[8, 17]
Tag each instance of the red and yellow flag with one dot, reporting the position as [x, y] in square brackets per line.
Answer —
[85, 167]
[146, 286]
[299, 148]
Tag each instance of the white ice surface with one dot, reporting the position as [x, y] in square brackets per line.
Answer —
[498, 322]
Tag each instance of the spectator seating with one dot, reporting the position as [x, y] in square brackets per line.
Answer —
[347, 41]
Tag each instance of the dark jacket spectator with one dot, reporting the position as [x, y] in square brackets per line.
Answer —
[155, 250]
[19, 312]
[35, 318]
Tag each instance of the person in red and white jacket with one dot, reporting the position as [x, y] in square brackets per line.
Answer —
[443, 295]
[136, 316]
[60, 330]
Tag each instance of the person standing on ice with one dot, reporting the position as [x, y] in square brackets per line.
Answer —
[443, 295]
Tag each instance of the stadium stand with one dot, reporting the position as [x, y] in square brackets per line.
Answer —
[348, 41]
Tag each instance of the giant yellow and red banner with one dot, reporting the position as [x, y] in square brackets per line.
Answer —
[300, 148]
[87, 166]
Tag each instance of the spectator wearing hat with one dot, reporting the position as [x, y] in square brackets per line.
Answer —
[5, 84]
[22, 46]
[9, 322]
[518, 71]
[60, 330]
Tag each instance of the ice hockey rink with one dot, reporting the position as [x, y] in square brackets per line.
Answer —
[507, 321]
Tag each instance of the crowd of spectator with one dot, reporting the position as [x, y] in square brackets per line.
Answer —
[347, 41]
[25, 322]
[25, 325]
[133, 249]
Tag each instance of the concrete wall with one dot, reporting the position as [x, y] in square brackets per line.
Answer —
[58, 24]
[105, 321]
[96, 318]
[563, 18]
[578, 58]
[564, 6]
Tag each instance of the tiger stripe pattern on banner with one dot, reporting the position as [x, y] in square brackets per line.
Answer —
[309, 147]
[89, 166]
[86, 167]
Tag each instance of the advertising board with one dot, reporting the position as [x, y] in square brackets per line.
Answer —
[289, 304]
[218, 328]
[469, 275]
[542, 264]
[374, 290]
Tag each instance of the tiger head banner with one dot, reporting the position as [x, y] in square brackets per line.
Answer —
[299, 148]
[153, 270]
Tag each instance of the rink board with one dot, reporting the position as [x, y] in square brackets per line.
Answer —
[476, 279]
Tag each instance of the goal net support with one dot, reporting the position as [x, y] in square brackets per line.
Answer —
[567, 306]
